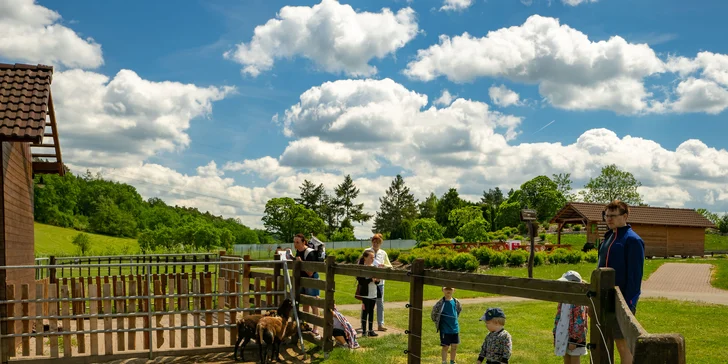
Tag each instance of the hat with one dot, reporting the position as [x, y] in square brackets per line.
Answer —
[492, 313]
[571, 276]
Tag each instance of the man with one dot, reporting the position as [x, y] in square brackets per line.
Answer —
[624, 251]
[304, 253]
[381, 259]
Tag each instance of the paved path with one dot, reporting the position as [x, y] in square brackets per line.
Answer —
[684, 281]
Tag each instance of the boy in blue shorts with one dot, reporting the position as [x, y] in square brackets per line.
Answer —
[445, 315]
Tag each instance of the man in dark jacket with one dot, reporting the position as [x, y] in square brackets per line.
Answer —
[624, 251]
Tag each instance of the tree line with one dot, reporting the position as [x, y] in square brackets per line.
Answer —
[401, 215]
[93, 204]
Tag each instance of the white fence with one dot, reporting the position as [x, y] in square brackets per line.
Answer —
[258, 251]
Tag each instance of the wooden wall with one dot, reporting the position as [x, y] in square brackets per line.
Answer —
[661, 241]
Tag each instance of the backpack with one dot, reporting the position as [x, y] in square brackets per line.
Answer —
[316, 247]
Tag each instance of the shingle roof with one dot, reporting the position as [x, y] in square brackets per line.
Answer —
[24, 97]
[637, 215]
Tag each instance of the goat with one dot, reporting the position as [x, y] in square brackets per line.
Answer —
[272, 330]
[246, 331]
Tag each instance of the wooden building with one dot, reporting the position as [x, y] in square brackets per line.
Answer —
[665, 231]
[27, 120]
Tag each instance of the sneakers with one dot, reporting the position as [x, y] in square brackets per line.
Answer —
[381, 328]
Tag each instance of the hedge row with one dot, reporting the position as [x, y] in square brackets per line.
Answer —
[351, 255]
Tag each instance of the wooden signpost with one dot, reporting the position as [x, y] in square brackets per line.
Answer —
[529, 216]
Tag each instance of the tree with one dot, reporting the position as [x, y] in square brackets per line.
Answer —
[427, 230]
[464, 215]
[312, 196]
[474, 231]
[344, 234]
[450, 201]
[509, 215]
[346, 193]
[82, 242]
[723, 224]
[285, 218]
[396, 206]
[493, 197]
[542, 195]
[563, 185]
[428, 207]
[713, 217]
[613, 184]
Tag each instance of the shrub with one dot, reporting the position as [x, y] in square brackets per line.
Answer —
[574, 256]
[517, 258]
[423, 244]
[498, 259]
[577, 228]
[558, 256]
[394, 254]
[405, 258]
[518, 237]
[539, 258]
[352, 256]
[427, 230]
[82, 242]
[459, 239]
[542, 236]
[464, 261]
[482, 254]
[591, 256]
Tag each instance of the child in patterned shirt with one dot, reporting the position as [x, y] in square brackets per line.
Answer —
[570, 326]
[497, 346]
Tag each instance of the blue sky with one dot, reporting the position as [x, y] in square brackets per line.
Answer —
[634, 87]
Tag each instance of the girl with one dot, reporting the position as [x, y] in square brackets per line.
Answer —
[570, 326]
[367, 292]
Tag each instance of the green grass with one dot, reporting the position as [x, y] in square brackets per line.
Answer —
[716, 242]
[577, 240]
[53, 240]
[530, 324]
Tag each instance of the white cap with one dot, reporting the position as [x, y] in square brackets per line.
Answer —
[571, 276]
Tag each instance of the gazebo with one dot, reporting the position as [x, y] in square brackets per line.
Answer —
[666, 231]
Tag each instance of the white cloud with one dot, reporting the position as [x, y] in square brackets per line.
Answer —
[709, 93]
[572, 71]
[445, 99]
[313, 153]
[503, 96]
[266, 167]
[456, 5]
[334, 36]
[125, 119]
[577, 2]
[31, 33]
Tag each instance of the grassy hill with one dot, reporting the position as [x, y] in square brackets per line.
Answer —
[53, 240]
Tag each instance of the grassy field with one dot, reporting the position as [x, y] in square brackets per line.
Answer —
[716, 242]
[530, 324]
[53, 240]
[577, 240]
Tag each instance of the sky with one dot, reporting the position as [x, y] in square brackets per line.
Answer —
[225, 104]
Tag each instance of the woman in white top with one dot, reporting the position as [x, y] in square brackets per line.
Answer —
[381, 259]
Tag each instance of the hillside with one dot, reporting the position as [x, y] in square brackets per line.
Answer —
[53, 240]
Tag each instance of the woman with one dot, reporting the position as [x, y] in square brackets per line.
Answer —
[381, 259]
[367, 291]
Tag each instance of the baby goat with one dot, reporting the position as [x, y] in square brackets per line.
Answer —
[246, 331]
[272, 330]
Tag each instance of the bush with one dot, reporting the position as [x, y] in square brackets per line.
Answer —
[517, 258]
[577, 228]
[394, 254]
[591, 256]
[498, 259]
[482, 254]
[459, 239]
[539, 258]
[542, 236]
[82, 242]
[423, 244]
[574, 256]
[558, 256]
[463, 261]
[518, 237]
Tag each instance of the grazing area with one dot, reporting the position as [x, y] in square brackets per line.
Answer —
[54, 240]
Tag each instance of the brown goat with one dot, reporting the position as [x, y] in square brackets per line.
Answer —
[247, 331]
[272, 330]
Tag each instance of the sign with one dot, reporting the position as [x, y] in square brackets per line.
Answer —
[528, 215]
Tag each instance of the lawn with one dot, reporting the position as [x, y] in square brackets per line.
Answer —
[576, 240]
[530, 324]
[53, 240]
[716, 242]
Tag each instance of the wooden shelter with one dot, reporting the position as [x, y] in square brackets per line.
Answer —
[27, 120]
[666, 231]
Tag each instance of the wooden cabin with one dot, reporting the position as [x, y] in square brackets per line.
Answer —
[666, 231]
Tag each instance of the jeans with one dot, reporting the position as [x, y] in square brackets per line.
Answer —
[380, 305]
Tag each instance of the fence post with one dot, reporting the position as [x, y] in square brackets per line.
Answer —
[297, 280]
[53, 270]
[329, 306]
[602, 315]
[667, 348]
[417, 285]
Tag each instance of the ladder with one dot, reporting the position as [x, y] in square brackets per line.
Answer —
[291, 293]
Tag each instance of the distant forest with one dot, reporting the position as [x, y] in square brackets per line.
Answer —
[90, 203]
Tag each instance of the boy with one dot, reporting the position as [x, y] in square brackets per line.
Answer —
[496, 348]
[445, 315]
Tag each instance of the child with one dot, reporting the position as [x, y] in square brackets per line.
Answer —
[445, 314]
[367, 293]
[570, 326]
[497, 345]
[344, 333]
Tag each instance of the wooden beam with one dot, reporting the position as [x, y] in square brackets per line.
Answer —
[313, 266]
[44, 156]
[313, 283]
[52, 112]
[312, 319]
[628, 324]
[45, 167]
[356, 270]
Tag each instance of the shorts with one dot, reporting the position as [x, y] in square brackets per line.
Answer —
[339, 332]
[616, 330]
[313, 292]
[449, 339]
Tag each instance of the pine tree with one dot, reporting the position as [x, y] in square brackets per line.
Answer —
[347, 210]
[397, 205]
